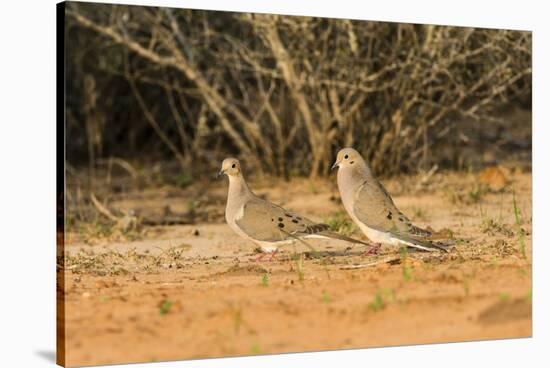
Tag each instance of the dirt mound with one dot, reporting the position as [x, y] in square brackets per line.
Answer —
[505, 311]
[244, 270]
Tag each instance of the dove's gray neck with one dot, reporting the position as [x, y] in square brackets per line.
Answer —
[356, 173]
[238, 192]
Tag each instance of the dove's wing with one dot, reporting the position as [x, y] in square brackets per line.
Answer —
[264, 221]
[374, 207]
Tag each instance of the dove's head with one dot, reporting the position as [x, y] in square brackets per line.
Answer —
[347, 158]
[230, 167]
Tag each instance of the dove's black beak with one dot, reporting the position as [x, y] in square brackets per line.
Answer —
[336, 164]
[220, 173]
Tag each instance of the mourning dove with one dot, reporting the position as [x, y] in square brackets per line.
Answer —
[372, 208]
[265, 223]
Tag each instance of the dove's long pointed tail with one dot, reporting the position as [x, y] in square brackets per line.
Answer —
[428, 246]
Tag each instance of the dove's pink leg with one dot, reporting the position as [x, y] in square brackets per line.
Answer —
[273, 254]
[372, 250]
[261, 256]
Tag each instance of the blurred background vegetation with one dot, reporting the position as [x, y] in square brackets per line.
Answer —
[178, 90]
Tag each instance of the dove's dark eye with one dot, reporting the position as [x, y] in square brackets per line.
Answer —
[233, 166]
[346, 157]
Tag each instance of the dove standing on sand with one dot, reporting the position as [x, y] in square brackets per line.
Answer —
[265, 223]
[371, 207]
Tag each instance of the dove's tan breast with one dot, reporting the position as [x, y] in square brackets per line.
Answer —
[232, 217]
[349, 199]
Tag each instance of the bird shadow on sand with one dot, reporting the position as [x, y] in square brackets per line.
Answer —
[363, 253]
[308, 255]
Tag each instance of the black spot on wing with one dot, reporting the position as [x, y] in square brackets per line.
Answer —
[295, 221]
[281, 225]
[280, 219]
[389, 215]
[288, 215]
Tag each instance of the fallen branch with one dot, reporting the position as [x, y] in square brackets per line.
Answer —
[102, 209]
[391, 259]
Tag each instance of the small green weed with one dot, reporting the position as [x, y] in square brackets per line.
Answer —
[419, 213]
[265, 280]
[381, 299]
[476, 194]
[237, 319]
[529, 295]
[325, 297]
[340, 222]
[164, 306]
[466, 286]
[377, 303]
[406, 268]
[519, 230]
[300, 267]
[255, 349]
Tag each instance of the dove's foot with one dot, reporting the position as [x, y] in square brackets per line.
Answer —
[372, 250]
[273, 254]
[261, 257]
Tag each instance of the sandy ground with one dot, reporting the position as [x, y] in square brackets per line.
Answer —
[195, 291]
